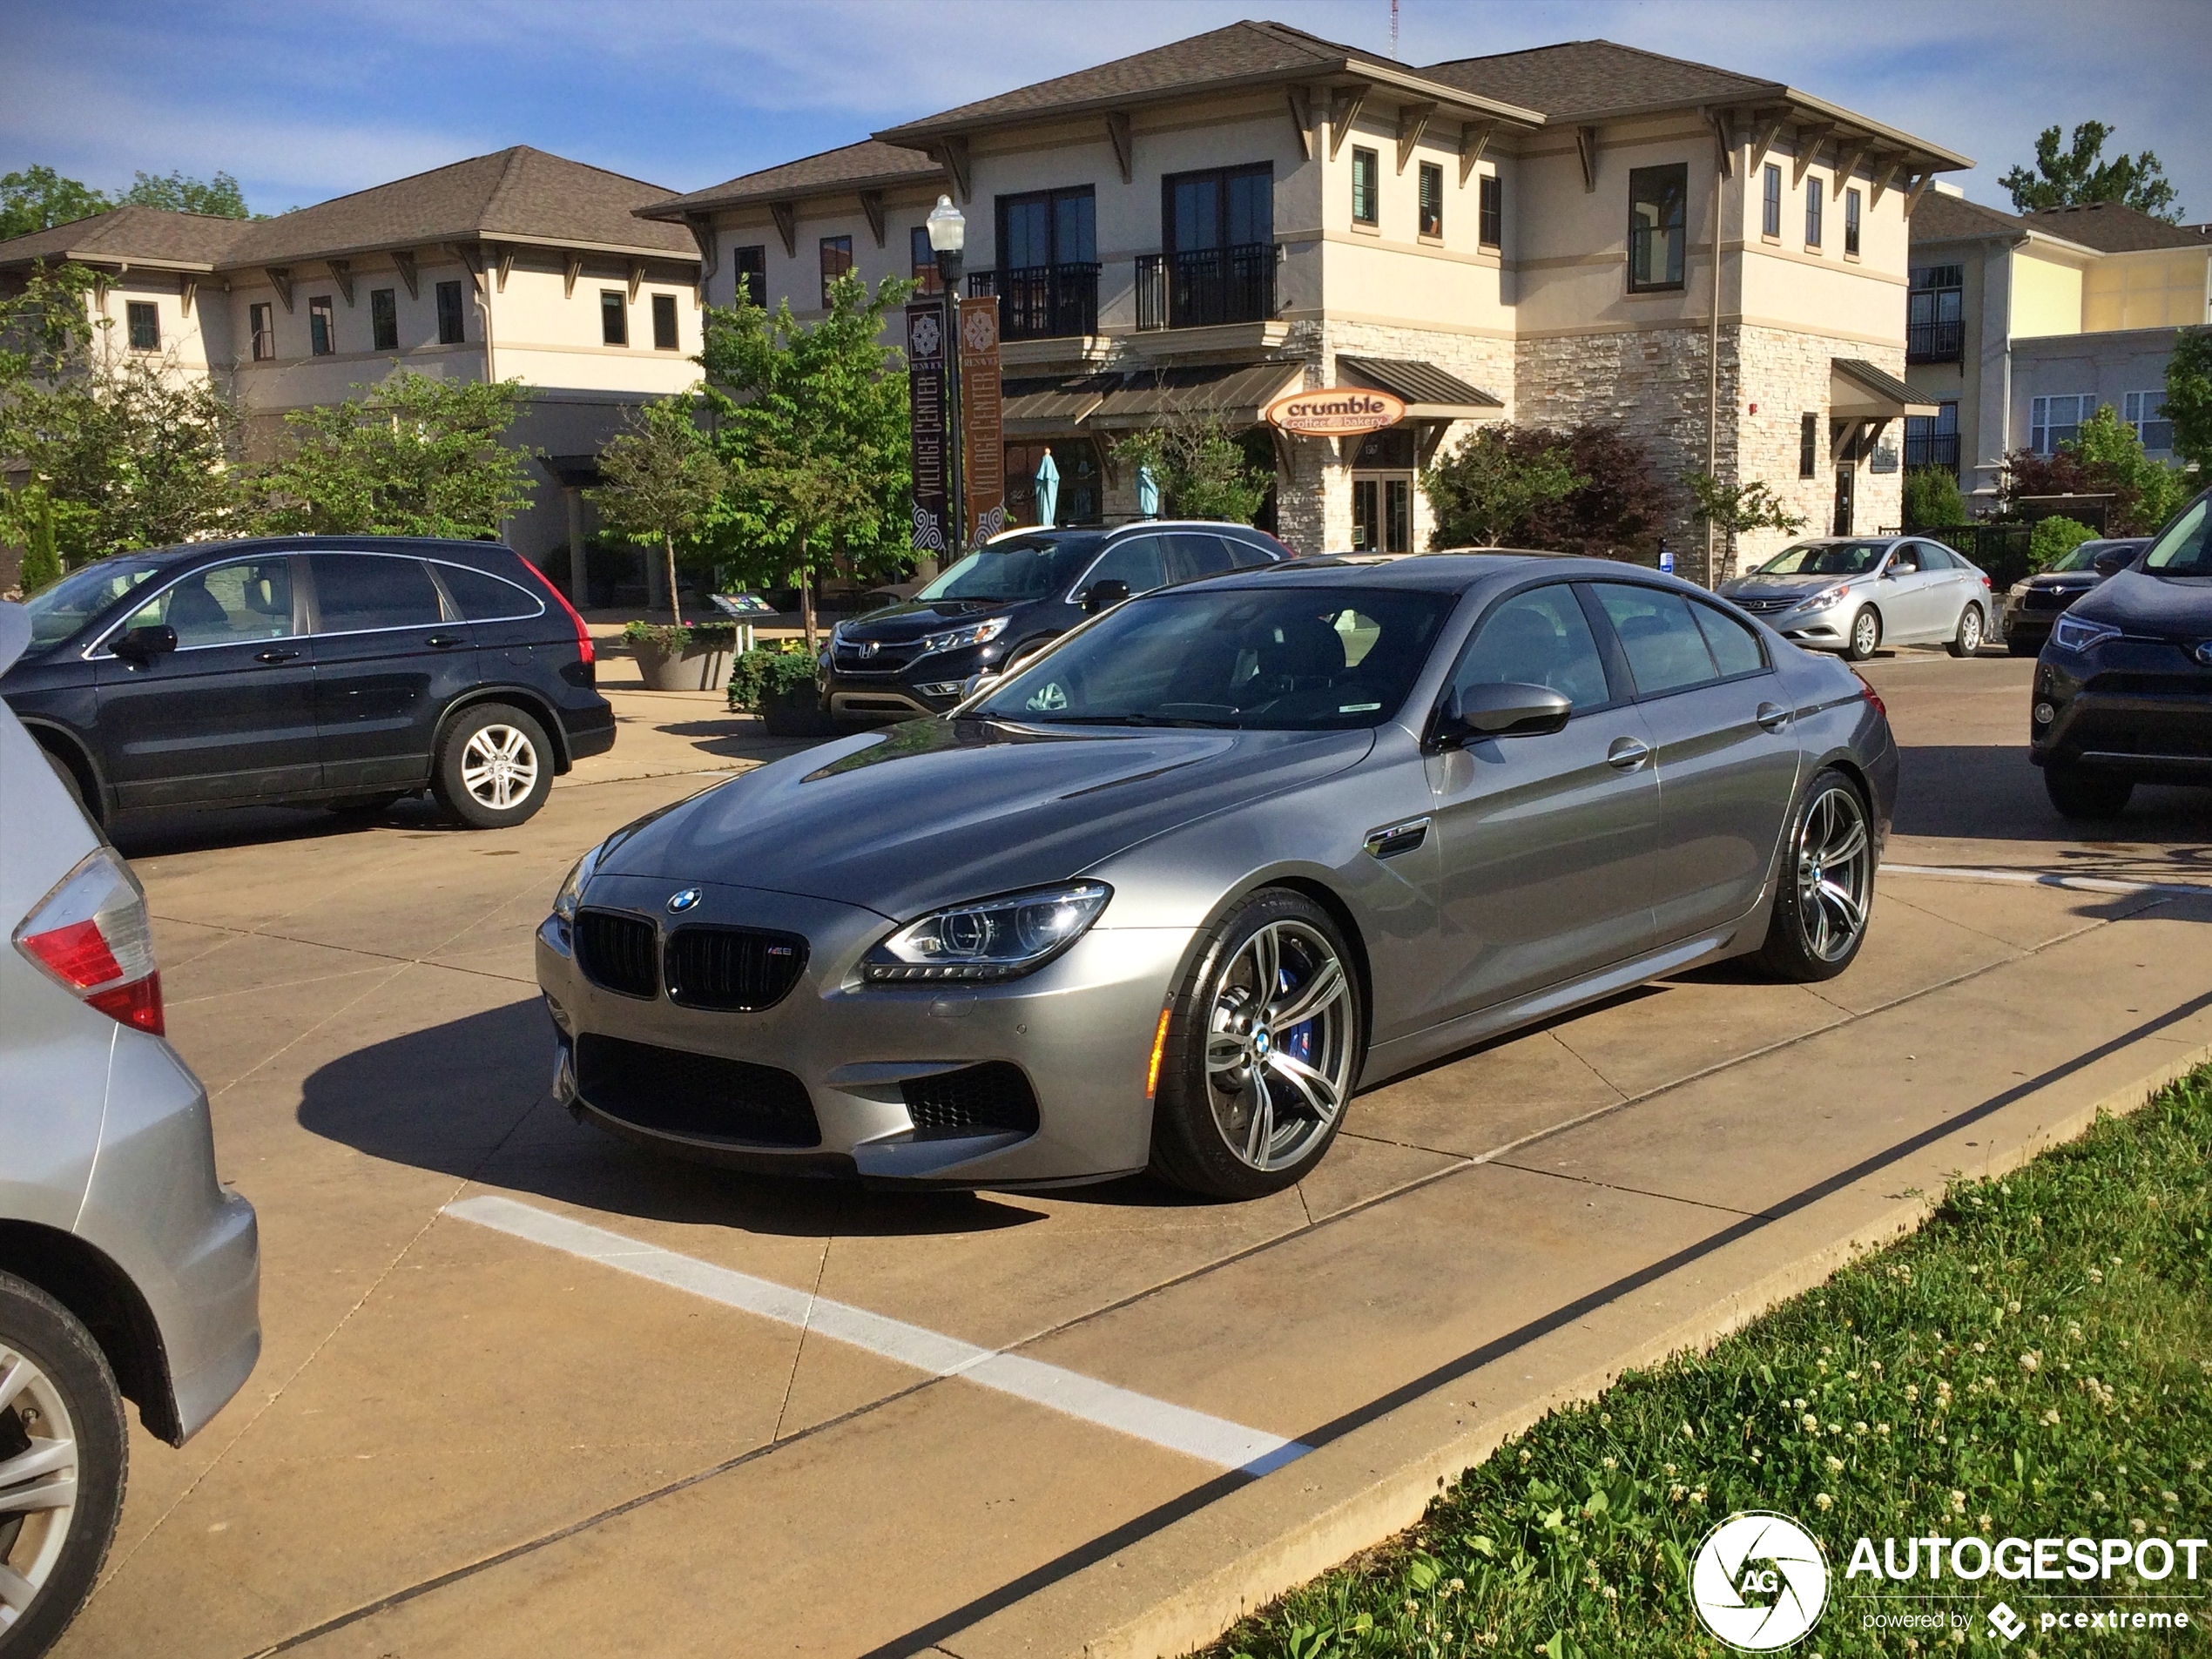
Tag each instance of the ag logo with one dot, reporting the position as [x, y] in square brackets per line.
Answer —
[2203, 653]
[2008, 1623]
[1758, 1581]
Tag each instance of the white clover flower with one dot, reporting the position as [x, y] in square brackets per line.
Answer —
[2051, 1417]
[2137, 1527]
[1824, 1502]
[1613, 1463]
[2031, 1360]
[1835, 1465]
[1810, 1422]
[2012, 1307]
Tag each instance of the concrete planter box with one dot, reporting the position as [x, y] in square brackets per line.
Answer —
[703, 668]
[795, 713]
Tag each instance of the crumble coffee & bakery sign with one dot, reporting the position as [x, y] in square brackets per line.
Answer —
[1335, 411]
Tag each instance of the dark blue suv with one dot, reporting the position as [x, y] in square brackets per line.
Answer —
[345, 671]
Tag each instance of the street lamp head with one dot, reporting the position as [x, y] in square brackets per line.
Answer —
[947, 227]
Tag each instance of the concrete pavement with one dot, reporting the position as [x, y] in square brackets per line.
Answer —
[463, 1439]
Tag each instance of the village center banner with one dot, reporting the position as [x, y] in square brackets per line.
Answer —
[982, 447]
[926, 410]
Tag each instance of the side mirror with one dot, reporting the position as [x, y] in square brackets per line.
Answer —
[1508, 710]
[1104, 595]
[974, 683]
[142, 646]
[2114, 560]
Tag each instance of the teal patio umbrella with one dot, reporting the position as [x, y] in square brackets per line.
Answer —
[1048, 490]
[1148, 493]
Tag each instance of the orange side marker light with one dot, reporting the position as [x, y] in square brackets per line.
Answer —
[1159, 1047]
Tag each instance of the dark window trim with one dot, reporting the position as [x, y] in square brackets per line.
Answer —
[460, 312]
[843, 245]
[618, 312]
[666, 304]
[1679, 227]
[132, 309]
[1430, 173]
[1815, 213]
[1595, 607]
[322, 306]
[1490, 212]
[260, 330]
[742, 270]
[1850, 221]
[1771, 201]
[1051, 198]
[1809, 446]
[383, 307]
[1372, 159]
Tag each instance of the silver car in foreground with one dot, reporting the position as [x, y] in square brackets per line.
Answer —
[126, 1270]
[1165, 896]
[1856, 594]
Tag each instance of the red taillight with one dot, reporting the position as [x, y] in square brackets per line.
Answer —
[91, 935]
[1866, 689]
[583, 633]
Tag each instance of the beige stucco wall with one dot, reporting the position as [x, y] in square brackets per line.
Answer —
[2046, 291]
[192, 343]
[2166, 289]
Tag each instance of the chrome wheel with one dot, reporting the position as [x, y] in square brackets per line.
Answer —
[1835, 872]
[499, 766]
[1278, 1045]
[1970, 631]
[1866, 634]
[38, 1481]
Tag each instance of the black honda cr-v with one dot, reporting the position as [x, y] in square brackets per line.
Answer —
[1010, 596]
[346, 671]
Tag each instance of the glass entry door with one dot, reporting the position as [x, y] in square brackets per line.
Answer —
[1382, 514]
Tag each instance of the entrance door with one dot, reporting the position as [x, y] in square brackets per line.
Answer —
[1846, 478]
[1382, 514]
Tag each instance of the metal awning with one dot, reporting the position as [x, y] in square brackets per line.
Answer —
[1056, 401]
[1429, 392]
[1859, 391]
[1235, 392]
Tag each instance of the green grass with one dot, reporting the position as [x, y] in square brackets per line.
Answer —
[2036, 1361]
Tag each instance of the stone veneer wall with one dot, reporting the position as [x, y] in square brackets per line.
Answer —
[1786, 373]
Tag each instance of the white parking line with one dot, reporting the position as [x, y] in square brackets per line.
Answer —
[2041, 878]
[1212, 1439]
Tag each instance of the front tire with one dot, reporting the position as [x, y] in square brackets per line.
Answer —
[1827, 893]
[1265, 1037]
[2022, 647]
[2078, 793]
[1967, 640]
[495, 767]
[1865, 635]
[63, 1457]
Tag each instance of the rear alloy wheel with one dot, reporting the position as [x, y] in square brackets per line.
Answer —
[1264, 1046]
[495, 767]
[63, 1451]
[1967, 640]
[1866, 634]
[2080, 793]
[1827, 887]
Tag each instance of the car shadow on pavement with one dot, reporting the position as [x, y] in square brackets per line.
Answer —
[468, 1099]
[1963, 791]
[150, 835]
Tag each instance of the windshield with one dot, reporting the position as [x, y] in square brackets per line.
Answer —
[1278, 659]
[59, 610]
[2084, 556]
[1824, 558]
[1028, 568]
[2184, 550]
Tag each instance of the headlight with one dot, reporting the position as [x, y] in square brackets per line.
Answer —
[2019, 587]
[572, 893]
[991, 938]
[1827, 597]
[2074, 633]
[974, 634]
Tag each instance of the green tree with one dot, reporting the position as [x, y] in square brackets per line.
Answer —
[2072, 177]
[411, 456]
[38, 199]
[2188, 398]
[662, 481]
[810, 421]
[219, 197]
[45, 330]
[2106, 458]
[1200, 468]
[1489, 484]
[1932, 499]
[1734, 509]
[27, 519]
[2054, 538]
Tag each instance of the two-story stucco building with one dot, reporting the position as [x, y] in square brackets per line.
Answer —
[1715, 261]
[518, 265]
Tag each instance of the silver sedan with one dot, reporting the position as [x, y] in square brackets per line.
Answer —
[1165, 897]
[1855, 594]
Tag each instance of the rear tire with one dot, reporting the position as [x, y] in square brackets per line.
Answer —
[1967, 640]
[2082, 794]
[2022, 647]
[1826, 895]
[368, 805]
[63, 1394]
[495, 767]
[1865, 637]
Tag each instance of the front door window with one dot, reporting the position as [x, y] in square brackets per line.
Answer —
[1846, 475]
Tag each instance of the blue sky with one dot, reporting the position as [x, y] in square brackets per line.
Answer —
[302, 103]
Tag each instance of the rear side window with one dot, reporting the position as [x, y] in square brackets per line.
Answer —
[484, 597]
[1539, 638]
[357, 592]
[1246, 556]
[1936, 558]
[1136, 562]
[1191, 555]
[1734, 647]
[1665, 647]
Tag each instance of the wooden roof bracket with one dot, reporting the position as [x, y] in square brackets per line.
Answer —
[187, 291]
[341, 273]
[1769, 129]
[1474, 138]
[571, 268]
[1412, 121]
[404, 257]
[1919, 188]
[279, 278]
[1125, 142]
[1847, 163]
[1300, 99]
[471, 256]
[1586, 151]
[1344, 104]
[952, 154]
[702, 228]
[637, 278]
[872, 209]
[786, 217]
[1884, 174]
[1807, 144]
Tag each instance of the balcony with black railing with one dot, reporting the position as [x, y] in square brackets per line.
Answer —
[1933, 342]
[1932, 450]
[1201, 288]
[1041, 302]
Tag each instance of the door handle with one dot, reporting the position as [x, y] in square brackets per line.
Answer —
[1628, 753]
[1772, 716]
[275, 655]
[444, 642]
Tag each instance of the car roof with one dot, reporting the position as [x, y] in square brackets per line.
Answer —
[1437, 572]
[441, 547]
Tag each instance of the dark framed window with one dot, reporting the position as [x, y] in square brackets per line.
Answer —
[1932, 440]
[1770, 202]
[323, 326]
[1047, 227]
[262, 318]
[1432, 199]
[1808, 445]
[1492, 215]
[664, 322]
[922, 260]
[837, 261]
[613, 317]
[749, 269]
[355, 592]
[1935, 313]
[1367, 187]
[1851, 222]
[1218, 227]
[452, 324]
[145, 325]
[1657, 197]
[1813, 212]
[384, 317]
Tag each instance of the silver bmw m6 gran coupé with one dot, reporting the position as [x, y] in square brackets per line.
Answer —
[1166, 896]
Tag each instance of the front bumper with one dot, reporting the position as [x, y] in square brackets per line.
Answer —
[1079, 1030]
[1824, 629]
[924, 686]
[2137, 708]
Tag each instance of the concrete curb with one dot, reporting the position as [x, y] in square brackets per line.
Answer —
[1378, 1480]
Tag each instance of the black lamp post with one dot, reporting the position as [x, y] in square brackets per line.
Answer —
[948, 241]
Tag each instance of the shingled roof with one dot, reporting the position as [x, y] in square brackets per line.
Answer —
[2114, 227]
[131, 235]
[1942, 217]
[866, 166]
[1580, 78]
[519, 194]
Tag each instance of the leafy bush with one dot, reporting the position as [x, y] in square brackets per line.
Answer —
[1932, 499]
[1202, 470]
[1485, 491]
[2104, 458]
[1616, 509]
[2055, 538]
[681, 641]
[769, 672]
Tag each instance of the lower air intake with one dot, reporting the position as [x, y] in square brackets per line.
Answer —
[994, 1098]
[670, 1091]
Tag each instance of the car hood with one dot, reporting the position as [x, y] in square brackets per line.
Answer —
[2081, 581]
[2178, 608]
[1760, 586]
[934, 812]
[900, 624]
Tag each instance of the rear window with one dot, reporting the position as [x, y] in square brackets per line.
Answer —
[484, 597]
